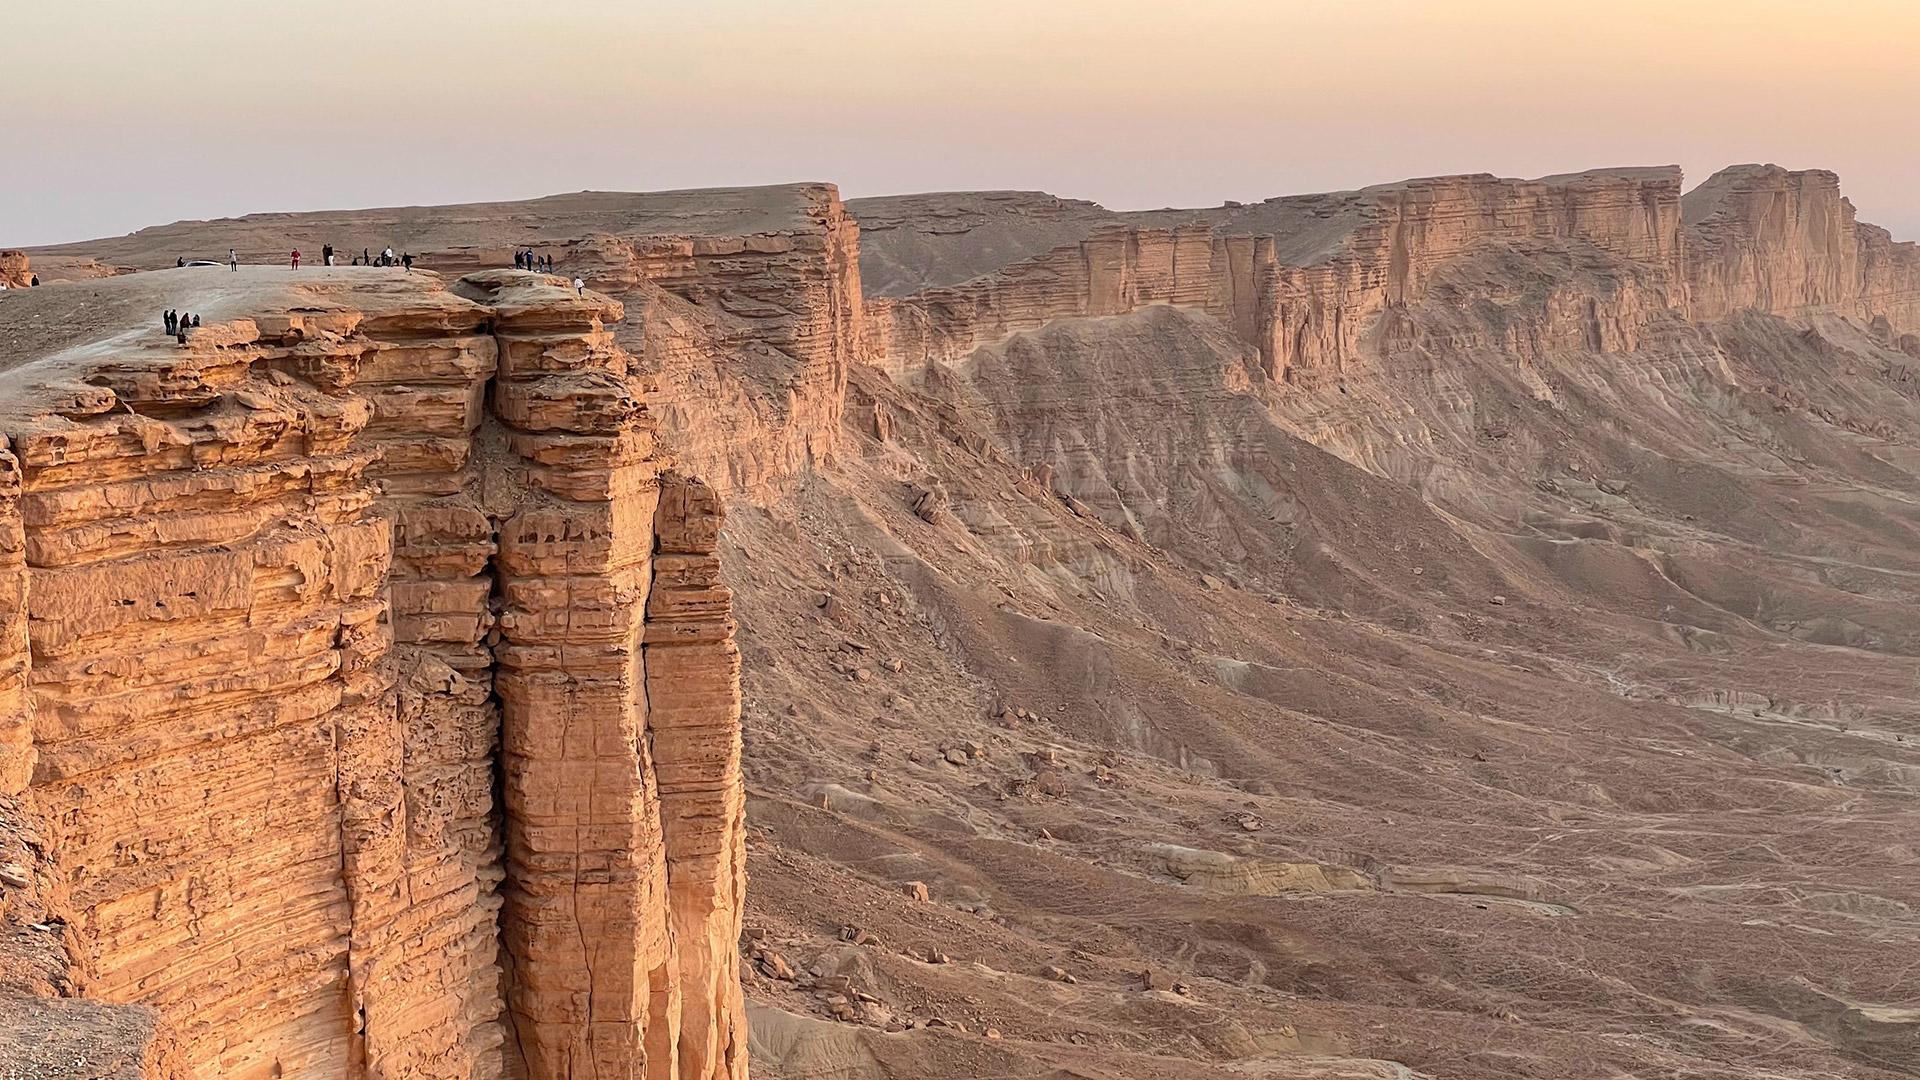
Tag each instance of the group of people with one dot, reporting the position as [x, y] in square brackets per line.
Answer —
[385, 258]
[365, 258]
[178, 323]
[526, 260]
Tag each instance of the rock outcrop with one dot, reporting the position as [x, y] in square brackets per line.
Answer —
[1306, 278]
[14, 271]
[1269, 272]
[1766, 239]
[366, 670]
[745, 303]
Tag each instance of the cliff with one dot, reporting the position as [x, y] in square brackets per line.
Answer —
[1306, 279]
[371, 689]
[746, 302]
[1763, 238]
[14, 272]
[1304, 306]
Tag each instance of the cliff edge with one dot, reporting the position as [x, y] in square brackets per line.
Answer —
[370, 696]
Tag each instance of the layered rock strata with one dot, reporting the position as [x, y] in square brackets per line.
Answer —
[14, 269]
[283, 609]
[1304, 308]
[746, 302]
[747, 329]
[749, 340]
[1306, 279]
[1767, 239]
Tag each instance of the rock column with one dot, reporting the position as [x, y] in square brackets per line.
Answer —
[593, 992]
[693, 722]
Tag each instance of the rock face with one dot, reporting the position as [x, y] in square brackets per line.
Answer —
[1113, 271]
[1766, 239]
[1306, 279]
[14, 269]
[749, 339]
[744, 303]
[1273, 273]
[367, 672]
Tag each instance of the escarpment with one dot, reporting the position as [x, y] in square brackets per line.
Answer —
[14, 270]
[370, 703]
[1764, 238]
[744, 303]
[371, 689]
[1308, 279]
[1299, 277]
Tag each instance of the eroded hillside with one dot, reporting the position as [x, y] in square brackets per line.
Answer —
[1459, 628]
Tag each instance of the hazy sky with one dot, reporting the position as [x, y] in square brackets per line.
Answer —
[116, 114]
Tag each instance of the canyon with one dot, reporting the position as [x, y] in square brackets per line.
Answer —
[1456, 628]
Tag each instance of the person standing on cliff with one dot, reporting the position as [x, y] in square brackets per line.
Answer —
[233, 260]
[167, 320]
[326, 254]
[296, 258]
[580, 286]
[407, 261]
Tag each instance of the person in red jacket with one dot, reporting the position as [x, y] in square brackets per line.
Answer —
[296, 258]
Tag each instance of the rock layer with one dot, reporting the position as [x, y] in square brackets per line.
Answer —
[14, 272]
[1762, 238]
[1307, 278]
[285, 607]
[745, 302]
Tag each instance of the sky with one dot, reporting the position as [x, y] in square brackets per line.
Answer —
[116, 114]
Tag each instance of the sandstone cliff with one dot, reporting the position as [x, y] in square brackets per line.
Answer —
[370, 685]
[1307, 278]
[745, 303]
[14, 269]
[1763, 238]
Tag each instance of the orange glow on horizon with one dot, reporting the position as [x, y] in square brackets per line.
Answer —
[122, 113]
